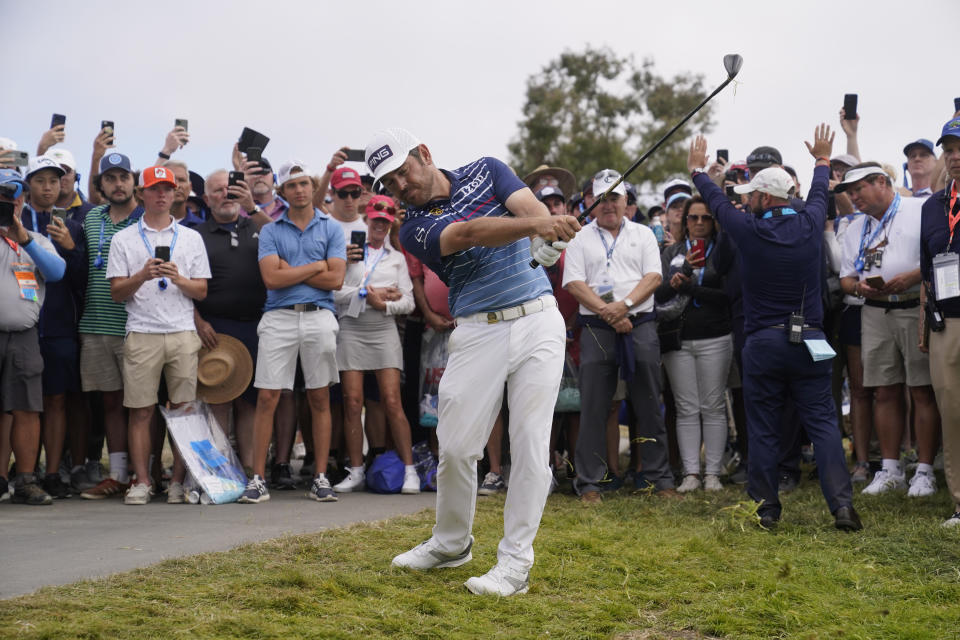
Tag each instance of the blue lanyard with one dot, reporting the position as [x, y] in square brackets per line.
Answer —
[363, 286]
[609, 248]
[150, 250]
[98, 262]
[864, 242]
[701, 269]
[36, 227]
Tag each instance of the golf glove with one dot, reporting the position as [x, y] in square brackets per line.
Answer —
[546, 253]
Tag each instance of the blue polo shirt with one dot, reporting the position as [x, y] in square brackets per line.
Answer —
[480, 278]
[321, 240]
[780, 257]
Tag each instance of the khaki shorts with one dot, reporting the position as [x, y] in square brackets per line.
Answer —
[101, 362]
[889, 348]
[285, 333]
[148, 355]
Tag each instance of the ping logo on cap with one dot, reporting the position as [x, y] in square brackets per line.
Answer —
[379, 156]
[114, 158]
[159, 173]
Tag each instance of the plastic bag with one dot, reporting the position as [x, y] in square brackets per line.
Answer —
[426, 466]
[433, 361]
[568, 399]
[206, 451]
[386, 473]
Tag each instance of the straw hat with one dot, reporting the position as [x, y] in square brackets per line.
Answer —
[223, 373]
[565, 180]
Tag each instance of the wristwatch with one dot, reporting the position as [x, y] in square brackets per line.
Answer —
[256, 210]
[628, 302]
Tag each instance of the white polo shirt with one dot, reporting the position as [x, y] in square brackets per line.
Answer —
[152, 309]
[902, 251]
[635, 254]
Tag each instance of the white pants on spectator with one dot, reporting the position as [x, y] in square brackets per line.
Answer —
[527, 354]
[698, 376]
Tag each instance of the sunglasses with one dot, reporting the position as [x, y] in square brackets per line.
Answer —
[343, 194]
[700, 218]
[383, 206]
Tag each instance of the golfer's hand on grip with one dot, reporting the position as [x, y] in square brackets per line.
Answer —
[553, 233]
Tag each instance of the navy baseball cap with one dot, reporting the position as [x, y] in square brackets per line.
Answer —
[951, 129]
[549, 190]
[115, 161]
[920, 142]
[763, 157]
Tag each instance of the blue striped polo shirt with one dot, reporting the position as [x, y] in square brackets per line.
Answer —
[480, 278]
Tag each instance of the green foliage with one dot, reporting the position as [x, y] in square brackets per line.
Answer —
[594, 110]
[635, 567]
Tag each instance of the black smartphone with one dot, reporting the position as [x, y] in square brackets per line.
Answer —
[358, 238]
[850, 106]
[956, 105]
[251, 138]
[723, 154]
[732, 195]
[6, 214]
[234, 179]
[106, 125]
[57, 119]
[162, 252]
[57, 212]
[180, 122]
[355, 155]
[254, 154]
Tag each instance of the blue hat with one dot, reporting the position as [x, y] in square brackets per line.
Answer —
[115, 161]
[921, 142]
[12, 176]
[952, 129]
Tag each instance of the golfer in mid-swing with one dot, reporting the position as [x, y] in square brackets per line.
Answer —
[508, 330]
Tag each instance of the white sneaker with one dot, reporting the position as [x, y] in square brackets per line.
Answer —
[175, 493]
[355, 481]
[138, 494]
[690, 483]
[952, 521]
[885, 481]
[712, 483]
[427, 555]
[922, 484]
[411, 481]
[500, 581]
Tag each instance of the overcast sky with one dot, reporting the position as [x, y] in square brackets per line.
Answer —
[315, 76]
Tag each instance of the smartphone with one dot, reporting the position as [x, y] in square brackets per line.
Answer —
[850, 106]
[875, 281]
[731, 194]
[355, 155]
[57, 212]
[58, 119]
[6, 214]
[956, 105]
[358, 238]
[21, 158]
[162, 252]
[723, 154]
[251, 138]
[254, 154]
[106, 125]
[180, 122]
[234, 179]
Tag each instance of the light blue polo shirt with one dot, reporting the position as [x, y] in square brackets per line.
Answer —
[321, 240]
[480, 278]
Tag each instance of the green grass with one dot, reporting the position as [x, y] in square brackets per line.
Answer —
[636, 567]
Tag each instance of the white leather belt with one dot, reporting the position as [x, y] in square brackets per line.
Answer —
[511, 313]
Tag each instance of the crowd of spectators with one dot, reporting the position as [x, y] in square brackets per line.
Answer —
[112, 298]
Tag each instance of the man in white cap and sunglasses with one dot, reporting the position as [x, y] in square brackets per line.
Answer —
[509, 330]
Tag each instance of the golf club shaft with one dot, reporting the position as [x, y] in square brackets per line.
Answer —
[586, 214]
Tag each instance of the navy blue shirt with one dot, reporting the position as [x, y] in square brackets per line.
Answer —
[934, 238]
[780, 257]
[480, 278]
[63, 303]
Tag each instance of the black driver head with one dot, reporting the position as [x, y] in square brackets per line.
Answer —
[732, 63]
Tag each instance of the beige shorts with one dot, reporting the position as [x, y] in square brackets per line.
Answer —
[101, 362]
[148, 355]
[889, 348]
[284, 334]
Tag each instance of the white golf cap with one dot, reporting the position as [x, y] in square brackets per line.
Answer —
[856, 175]
[292, 170]
[64, 157]
[772, 180]
[39, 163]
[604, 179]
[7, 144]
[388, 150]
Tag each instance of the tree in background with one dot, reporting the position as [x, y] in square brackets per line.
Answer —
[593, 110]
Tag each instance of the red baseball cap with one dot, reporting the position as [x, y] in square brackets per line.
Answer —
[381, 207]
[344, 177]
[156, 175]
